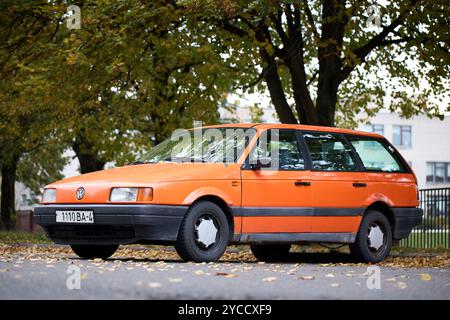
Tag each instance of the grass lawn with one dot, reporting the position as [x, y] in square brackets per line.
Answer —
[22, 237]
[426, 240]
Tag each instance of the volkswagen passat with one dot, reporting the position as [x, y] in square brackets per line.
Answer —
[266, 185]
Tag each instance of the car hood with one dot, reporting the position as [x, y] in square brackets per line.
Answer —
[144, 174]
[97, 185]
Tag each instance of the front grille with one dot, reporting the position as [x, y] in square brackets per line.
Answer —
[90, 232]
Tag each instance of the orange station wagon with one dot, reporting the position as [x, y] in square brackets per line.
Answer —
[267, 185]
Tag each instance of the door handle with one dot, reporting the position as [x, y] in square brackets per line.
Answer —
[359, 184]
[302, 183]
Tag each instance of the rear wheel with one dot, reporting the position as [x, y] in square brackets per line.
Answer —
[204, 233]
[270, 252]
[374, 239]
[92, 251]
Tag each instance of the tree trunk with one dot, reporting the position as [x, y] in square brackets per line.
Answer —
[87, 156]
[326, 101]
[275, 87]
[304, 104]
[329, 61]
[8, 194]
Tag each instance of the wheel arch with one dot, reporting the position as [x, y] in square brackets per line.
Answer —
[385, 209]
[222, 205]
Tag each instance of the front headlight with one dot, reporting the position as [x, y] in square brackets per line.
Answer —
[123, 195]
[49, 195]
[131, 195]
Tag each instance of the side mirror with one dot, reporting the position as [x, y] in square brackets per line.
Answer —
[262, 162]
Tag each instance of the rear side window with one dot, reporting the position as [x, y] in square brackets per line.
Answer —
[329, 152]
[377, 155]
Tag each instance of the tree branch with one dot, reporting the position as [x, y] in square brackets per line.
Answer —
[362, 52]
[311, 20]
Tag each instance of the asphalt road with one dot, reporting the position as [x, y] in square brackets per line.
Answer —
[31, 277]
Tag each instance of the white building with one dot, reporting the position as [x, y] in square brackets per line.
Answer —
[235, 112]
[24, 197]
[423, 142]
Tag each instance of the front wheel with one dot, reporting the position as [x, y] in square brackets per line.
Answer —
[270, 252]
[204, 233]
[374, 239]
[92, 251]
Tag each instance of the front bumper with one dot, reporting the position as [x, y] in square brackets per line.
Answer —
[405, 219]
[113, 223]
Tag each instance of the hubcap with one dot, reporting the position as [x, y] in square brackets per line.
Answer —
[375, 237]
[206, 231]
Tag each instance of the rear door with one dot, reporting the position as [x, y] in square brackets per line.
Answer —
[277, 199]
[338, 182]
[390, 178]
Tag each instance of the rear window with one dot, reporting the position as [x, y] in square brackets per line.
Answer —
[377, 155]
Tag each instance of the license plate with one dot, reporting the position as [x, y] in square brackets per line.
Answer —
[74, 216]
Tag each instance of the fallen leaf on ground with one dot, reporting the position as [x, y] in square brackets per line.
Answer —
[307, 277]
[425, 276]
[226, 275]
[269, 279]
[335, 285]
[402, 285]
[391, 280]
[329, 275]
[154, 284]
[175, 280]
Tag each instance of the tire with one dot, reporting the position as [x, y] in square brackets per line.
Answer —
[270, 252]
[193, 242]
[92, 251]
[363, 249]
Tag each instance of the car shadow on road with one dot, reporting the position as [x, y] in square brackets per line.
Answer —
[319, 257]
[292, 258]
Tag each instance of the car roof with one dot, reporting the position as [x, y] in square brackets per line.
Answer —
[264, 126]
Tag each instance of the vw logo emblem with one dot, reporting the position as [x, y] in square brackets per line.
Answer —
[80, 193]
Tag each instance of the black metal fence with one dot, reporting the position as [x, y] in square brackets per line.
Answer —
[434, 231]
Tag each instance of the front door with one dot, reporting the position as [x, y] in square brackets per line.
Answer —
[276, 200]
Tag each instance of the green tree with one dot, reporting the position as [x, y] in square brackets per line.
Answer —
[27, 115]
[128, 78]
[322, 55]
[256, 113]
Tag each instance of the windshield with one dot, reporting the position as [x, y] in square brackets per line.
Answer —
[209, 145]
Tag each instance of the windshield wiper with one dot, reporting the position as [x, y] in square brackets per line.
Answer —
[186, 159]
[139, 162]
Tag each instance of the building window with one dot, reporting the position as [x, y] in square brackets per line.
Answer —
[402, 136]
[438, 172]
[24, 200]
[375, 128]
[378, 128]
